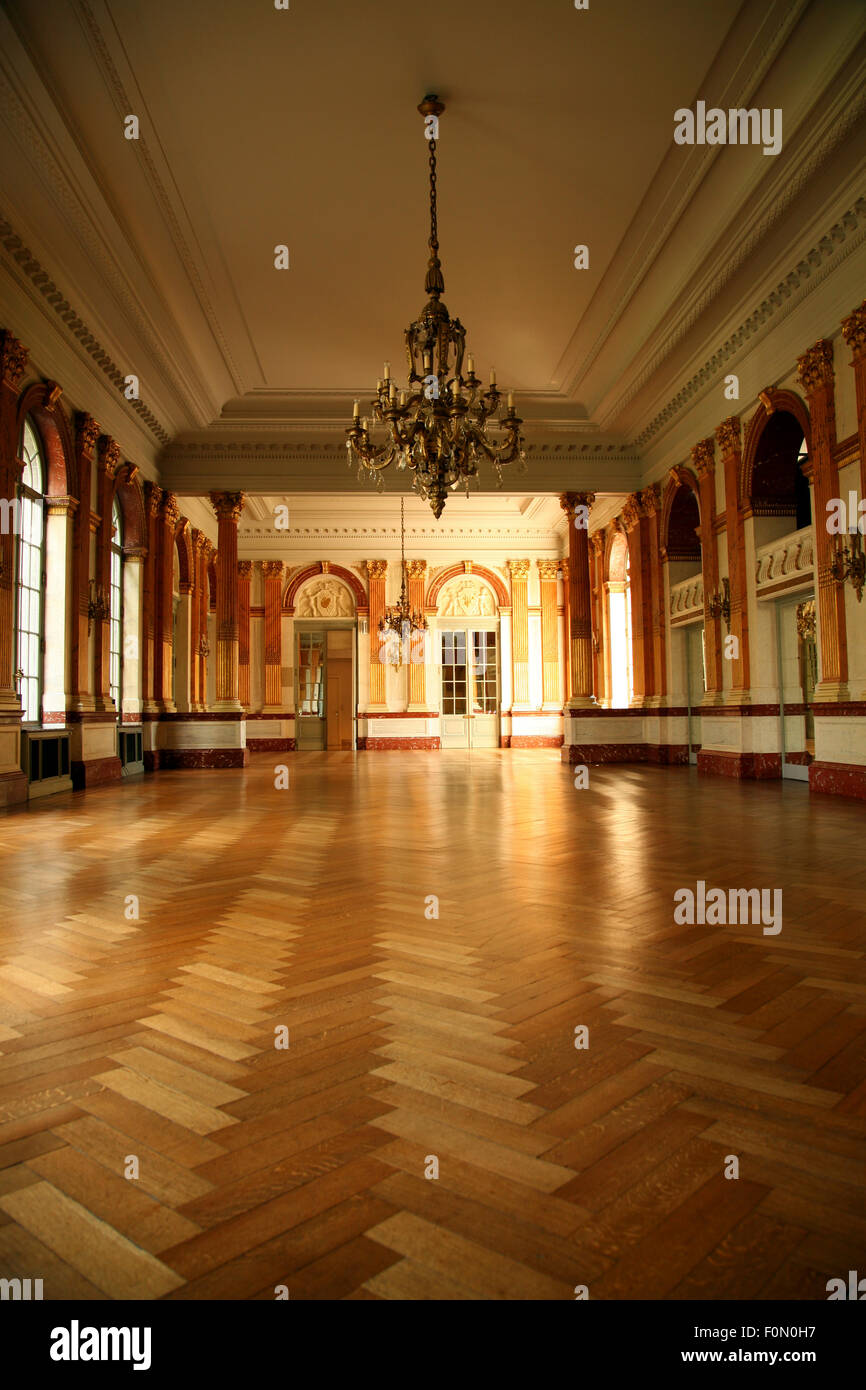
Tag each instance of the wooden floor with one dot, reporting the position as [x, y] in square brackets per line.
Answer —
[413, 1039]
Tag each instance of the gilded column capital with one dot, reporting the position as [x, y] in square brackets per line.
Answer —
[60, 506]
[87, 431]
[854, 331]
[51, 393]
[728, 436]
[631, 512]
[153, 495]
[416, 569]
[596, 540]
[13, 359]
[245, 569]
[570, 501]
[272, 569]
[169, 510]
[227, 506]
[377, 569]
[815, 367]
[651, 500]
[547, 569]
[108, 455]
[703, 456]
[518, 569]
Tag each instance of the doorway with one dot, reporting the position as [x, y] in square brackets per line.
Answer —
[696, 685]
[325, 688]
[470, 688]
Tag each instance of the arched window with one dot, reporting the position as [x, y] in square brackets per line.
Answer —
[619, 601]
[31, 582]
[115, 660]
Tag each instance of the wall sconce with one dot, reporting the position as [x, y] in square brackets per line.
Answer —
[719, 605]
[98, 605]
[848, 563]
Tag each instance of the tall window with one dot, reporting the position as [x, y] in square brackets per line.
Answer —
[31, 557]
[115, 659]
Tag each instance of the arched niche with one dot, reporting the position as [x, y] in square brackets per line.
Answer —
[130, 499]
[303, 575]
[41, 401]
[774, 489]
[681, 520]
[467, 570]
[324, 596]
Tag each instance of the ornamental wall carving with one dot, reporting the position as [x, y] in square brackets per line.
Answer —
[324, 598]
[467, 598]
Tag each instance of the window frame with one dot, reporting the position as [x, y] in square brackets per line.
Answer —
[25, 492]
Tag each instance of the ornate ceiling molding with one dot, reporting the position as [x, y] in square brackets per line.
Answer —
[833, 248]
[785, 192]
[26, 264]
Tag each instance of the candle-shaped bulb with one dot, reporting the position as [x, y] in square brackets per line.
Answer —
[470, 363]
[510, 400]
[402, 397]
[387, 371]
[492, 376]
[393, 391]
[357, 411]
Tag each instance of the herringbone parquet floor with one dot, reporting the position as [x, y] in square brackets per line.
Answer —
[415, 1039]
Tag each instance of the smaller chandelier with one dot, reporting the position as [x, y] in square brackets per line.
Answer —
[848, 563]
[438, 428]
[400, 622]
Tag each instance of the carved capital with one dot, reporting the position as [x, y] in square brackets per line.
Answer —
[570, 501]
[87, 431]
[416, 569]
[548, 569]
[650, 500]
[13, 359]
[631, 512]
[108, 454]
[272, 569]
[377, 569]
[245, 569]
[703, 457]
[596, 540]
[815, 367]
[153, 496]
[518, 569]
[854, 331]
[228, 506]
[728, 436]
[52, 393]
[169, 510]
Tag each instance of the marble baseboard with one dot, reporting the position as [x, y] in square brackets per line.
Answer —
[758, 766]
[272, 745]
[95, 772]
[840, 779]
[382, 744]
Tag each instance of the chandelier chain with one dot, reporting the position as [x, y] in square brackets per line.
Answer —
[434, 225]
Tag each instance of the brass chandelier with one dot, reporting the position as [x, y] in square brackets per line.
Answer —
[400, 622]
[438, 428]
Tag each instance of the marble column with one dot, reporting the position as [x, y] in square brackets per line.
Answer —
[579, 608]
[245, 575]
[854, 333]
[519, 571]
[651, 506]
[377, 571]
[108, 462]
[416, 571]
[163, 646]
[131, 701]
[152, 500]
[272, 573]
[228, 507]
[547, 572]
[87, 433]
[207, 554]
[815, 370]
[634, 523]
[13, 782]
[728, 438]
[703, 456]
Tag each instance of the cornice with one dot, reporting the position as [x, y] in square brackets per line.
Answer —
[22, 262]
[833, 248]
[777, 195]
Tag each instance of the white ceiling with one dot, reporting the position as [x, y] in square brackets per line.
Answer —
[261, 127]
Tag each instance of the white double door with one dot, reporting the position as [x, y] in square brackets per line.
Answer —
[469, 659]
